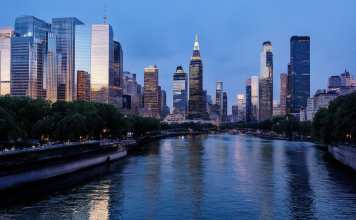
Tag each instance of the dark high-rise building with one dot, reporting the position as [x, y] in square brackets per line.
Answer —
[160, 101]
[224, 110]
[334, 82]
[180, 91]
[65, 51]
[300, 72]
[248, 101]
[151, 91]
[83, 86]
[284, 93]
[235, 110]
[196, 95]
[219, 95]
[118, 74]
[266, 82]
[165, 108]
[126, 102]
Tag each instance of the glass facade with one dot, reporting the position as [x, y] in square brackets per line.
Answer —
[266, 82]
[196, 97]
[248, 101]
[255, 87]
[102, 63]
[118, 74]
[284, 93]
[83, 86]
[52, 67]
[219, 94]
[151, 93]
[82, 56]
[66, 53]
[26, 67]
[180, 91]
[6, 34]
[224, 110]
[130, 88]
[300, 72]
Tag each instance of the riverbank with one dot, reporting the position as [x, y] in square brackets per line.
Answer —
[344, 154]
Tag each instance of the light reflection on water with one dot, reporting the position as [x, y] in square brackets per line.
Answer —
[207, 176]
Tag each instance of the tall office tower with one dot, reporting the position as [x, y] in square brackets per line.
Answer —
[53, 66]
[300, 72]
[235, 110]
[83, 86]
[241, 106]
[219, 94]
[255, 88]
[65, 51]
[266, 82]
[165, 109]
[248, 101]
[284, 93]
[224, 110]
[347, 79]
[130, 88]
[289, 93]
[160, 103]
[139, 98]
[82, 55]
[196, 96]
[118, 74]
[334, 82]
[151, 92]
[6, 33]
[27, 57]
[180, 91]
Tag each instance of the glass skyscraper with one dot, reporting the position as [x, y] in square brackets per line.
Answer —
[65, 51]
[224, 109]
[118, 74]
[219, 95]
[248, 101]
[266, 82]
[255, 88]
[28, 57]
[180, 92]
[6, 33]
[300, 72]
[197, 108]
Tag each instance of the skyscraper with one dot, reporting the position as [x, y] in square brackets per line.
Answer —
[255, 88]
[235, 110]
[65, 50]
[224, 110]
[180, 92]
[266, 82]
[196, 96]
[27, 57]
[6, 33]
[248, 101]
[151, 99]
[118, 74]
[219, 94]
[241, 107]
[334, 82]
[300, 72]
[347, 79]
[165, 109]
[130, 88]
[284, 93]
[83, 86]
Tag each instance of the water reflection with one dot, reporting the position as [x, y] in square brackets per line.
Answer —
[198, 177]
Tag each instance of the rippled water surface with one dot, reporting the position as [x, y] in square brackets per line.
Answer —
[197, 177]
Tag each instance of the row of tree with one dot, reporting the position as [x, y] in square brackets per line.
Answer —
[26, 118]
[337, 123]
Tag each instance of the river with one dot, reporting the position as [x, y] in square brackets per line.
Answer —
[197, 177]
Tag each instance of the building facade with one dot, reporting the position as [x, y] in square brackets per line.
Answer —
[196, 94]
[6, 33]
[219, 94]
[180, 92]
[248, 101]
[266, 82]
[283, 94]
[151, 91]
[255, 88]
[299, 72]
[224, 110]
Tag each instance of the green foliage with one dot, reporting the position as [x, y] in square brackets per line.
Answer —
[337, 123]
[140, 126]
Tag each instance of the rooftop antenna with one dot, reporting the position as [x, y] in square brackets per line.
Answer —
[105, 14]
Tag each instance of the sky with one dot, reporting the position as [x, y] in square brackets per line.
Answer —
[230, 34]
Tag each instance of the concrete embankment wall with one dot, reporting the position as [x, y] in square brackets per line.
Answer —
[344, 154]
[57, 169]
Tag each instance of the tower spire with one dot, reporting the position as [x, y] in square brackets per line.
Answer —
[105, 14]
[196, 44]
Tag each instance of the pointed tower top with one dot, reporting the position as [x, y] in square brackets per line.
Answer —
[196, 44]
[105, 14]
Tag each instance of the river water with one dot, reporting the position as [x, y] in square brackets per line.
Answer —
[197, 177]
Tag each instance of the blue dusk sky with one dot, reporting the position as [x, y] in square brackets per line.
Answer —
[230, 35]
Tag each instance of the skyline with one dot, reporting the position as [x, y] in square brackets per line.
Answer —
[148, 39]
